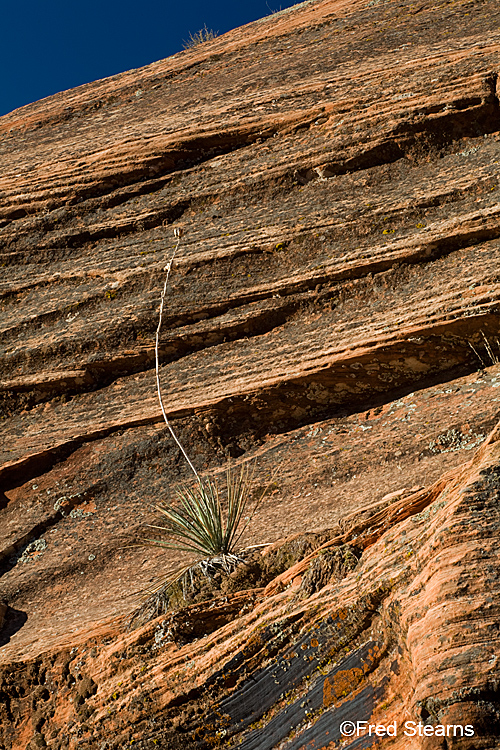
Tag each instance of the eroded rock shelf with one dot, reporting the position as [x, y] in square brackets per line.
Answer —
[333, 310]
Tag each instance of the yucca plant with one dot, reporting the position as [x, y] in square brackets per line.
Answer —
[200, 525]
[207, 522]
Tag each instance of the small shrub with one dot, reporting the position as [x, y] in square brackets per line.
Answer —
[203, 35]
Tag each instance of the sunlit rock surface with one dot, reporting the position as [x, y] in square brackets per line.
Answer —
[333, 311]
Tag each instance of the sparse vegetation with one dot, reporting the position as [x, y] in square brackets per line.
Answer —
[489, 352]
[200, 526]
[203, 35]
[207, 522]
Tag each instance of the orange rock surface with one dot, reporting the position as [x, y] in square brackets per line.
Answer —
[333, 311]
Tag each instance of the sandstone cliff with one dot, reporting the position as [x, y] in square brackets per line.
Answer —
[333, 310]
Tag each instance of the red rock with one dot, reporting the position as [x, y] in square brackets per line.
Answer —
[333, 308]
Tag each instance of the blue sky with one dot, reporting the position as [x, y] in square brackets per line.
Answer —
[55, 45]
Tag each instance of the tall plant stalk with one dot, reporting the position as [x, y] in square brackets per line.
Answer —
[168, 267]
[198, 525]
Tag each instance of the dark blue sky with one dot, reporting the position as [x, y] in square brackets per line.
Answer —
[52, 45]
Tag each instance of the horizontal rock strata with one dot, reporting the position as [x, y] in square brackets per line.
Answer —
[332, 311]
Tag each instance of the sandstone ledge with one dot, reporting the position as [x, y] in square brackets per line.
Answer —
[333, 309]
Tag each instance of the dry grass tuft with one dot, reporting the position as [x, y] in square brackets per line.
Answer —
[203, 35]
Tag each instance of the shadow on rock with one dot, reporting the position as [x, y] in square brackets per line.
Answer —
[13, 621]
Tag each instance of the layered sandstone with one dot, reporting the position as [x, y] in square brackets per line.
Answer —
[333, 310]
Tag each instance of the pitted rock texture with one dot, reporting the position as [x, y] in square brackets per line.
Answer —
[333, 310]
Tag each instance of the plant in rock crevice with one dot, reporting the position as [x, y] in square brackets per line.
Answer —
[207, 522]
[490, 353]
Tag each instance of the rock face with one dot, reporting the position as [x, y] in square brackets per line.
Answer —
[333, 311]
